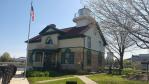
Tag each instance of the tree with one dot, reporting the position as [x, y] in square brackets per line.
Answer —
[127, 64]
[111, 20]
[136, 12]
[109, 61]
[5, 57]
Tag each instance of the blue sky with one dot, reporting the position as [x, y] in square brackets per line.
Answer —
[14, 20]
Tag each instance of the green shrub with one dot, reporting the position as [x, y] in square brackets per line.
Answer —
[115, 71]
[53, 73]
[81, 72]
[33, 73]
[40, 73]
[127, 71]
[101, 69]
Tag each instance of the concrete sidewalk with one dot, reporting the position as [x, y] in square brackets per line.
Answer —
[86, 80]
[19, 79]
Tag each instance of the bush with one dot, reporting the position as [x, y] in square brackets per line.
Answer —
[128, 71]
[40, 73]
[54, 73]
[101, 69]
[81, 72]
[33, 73]
[115, 71]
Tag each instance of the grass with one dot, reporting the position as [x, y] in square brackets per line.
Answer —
[113, 79]
[33, 80]
[64, 81]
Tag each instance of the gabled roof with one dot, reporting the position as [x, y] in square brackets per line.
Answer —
[51, 26]
[71, 32]
[76, 30]
[35, 39]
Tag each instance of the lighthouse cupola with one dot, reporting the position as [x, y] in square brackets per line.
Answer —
[84, 12]
[83, 17]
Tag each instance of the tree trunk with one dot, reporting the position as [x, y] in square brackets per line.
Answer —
[121, 63]
[110, 69]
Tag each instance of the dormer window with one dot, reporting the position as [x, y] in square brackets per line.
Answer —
[49, 41]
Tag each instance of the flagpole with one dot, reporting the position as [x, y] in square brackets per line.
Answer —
[28, 36]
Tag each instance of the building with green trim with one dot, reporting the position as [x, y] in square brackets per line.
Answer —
[80, 47]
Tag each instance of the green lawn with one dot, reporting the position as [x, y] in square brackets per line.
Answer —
[33, 80]
[110, 79]
[64, 81]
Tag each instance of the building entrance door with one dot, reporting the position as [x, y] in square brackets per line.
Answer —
[49, 60]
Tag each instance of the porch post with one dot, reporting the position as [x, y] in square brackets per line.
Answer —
[56, 60]
[43, 54]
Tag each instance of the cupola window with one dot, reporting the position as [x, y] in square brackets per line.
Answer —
[80, 12]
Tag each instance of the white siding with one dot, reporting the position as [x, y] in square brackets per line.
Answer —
[96, 41]
[34, 45]
[74, 42]
[49, 30]
[42, 44]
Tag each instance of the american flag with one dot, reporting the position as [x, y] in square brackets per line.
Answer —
[32, 12]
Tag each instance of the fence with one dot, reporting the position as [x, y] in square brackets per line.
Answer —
[17, 64]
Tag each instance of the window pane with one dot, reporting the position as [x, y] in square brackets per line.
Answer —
[67, 57]
[99, 58]
[88, 57]
[63, 58]
[88, 42]
[38, 57]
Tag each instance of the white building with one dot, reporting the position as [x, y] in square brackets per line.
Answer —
[79, 47]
